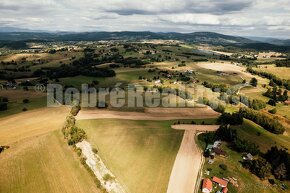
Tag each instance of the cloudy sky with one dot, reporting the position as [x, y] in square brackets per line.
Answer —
[237, 17]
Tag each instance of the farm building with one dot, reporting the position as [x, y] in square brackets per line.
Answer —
[206, 186]
[217, 144]
[219, 152]
[248, 157]
[224, 190]
[222, 183]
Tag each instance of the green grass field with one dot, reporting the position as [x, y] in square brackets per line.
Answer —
[256, 134]
[123, 75]
[16, 105]
[213, 77]
[140, 153]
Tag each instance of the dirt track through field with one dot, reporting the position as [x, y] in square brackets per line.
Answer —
[187, 165]
[150, 114]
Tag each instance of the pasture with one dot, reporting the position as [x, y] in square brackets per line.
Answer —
[16, 104]
[281, 72]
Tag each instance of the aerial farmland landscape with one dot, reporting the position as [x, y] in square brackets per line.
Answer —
[145, 96]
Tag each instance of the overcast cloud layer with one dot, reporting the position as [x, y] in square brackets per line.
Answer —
[236, 17]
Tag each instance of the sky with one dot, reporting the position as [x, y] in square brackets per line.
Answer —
[265, 18]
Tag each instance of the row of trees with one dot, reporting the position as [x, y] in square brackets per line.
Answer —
[280, 162]
[276, 94]
[74, 134]
[232, 119]
[216, 87]
[283, 63]
[216, 106]
[267, 122]
[3, 103]
[71, 132]
[275, 161]
[86, 66]
[230, 135]
[255, 104]
[260, 167]
[274, 78]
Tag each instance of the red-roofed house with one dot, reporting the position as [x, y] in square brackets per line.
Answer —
[225, 190]
[206, 186]
[220, 182]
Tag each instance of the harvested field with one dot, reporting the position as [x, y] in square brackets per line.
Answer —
[31, 124]
[43, 164]
[150, 114]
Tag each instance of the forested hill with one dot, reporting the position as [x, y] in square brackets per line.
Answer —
[195, 37]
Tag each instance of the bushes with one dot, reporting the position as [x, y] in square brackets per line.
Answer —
[25, 101]
[283, 63]
[208, 137]
[268, 123]
[216, 87]
[72, 133]
[272, 102]
[223, 167]
[3, 106]
[4, 99]
[75, 110]
[95, 150]
[276, 94]
[254, 82]
[257, 104]
[76, 135]
[3, 103]
[108, 177]
[245, 146]
[233, 119]
[273, 111]
[226, 133]
[230, 135]
[218, 107]
[260, 167]
[280, 161]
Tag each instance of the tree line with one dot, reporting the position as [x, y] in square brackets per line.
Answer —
[3, 103]
[276, 95]
[283, 63]
[267, 122]
[216, 87]
[274, 78]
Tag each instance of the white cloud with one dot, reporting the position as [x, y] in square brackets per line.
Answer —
[242, 17]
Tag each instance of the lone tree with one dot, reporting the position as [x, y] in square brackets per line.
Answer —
[254, 82]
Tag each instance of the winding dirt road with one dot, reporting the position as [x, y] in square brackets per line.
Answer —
[187, 165]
